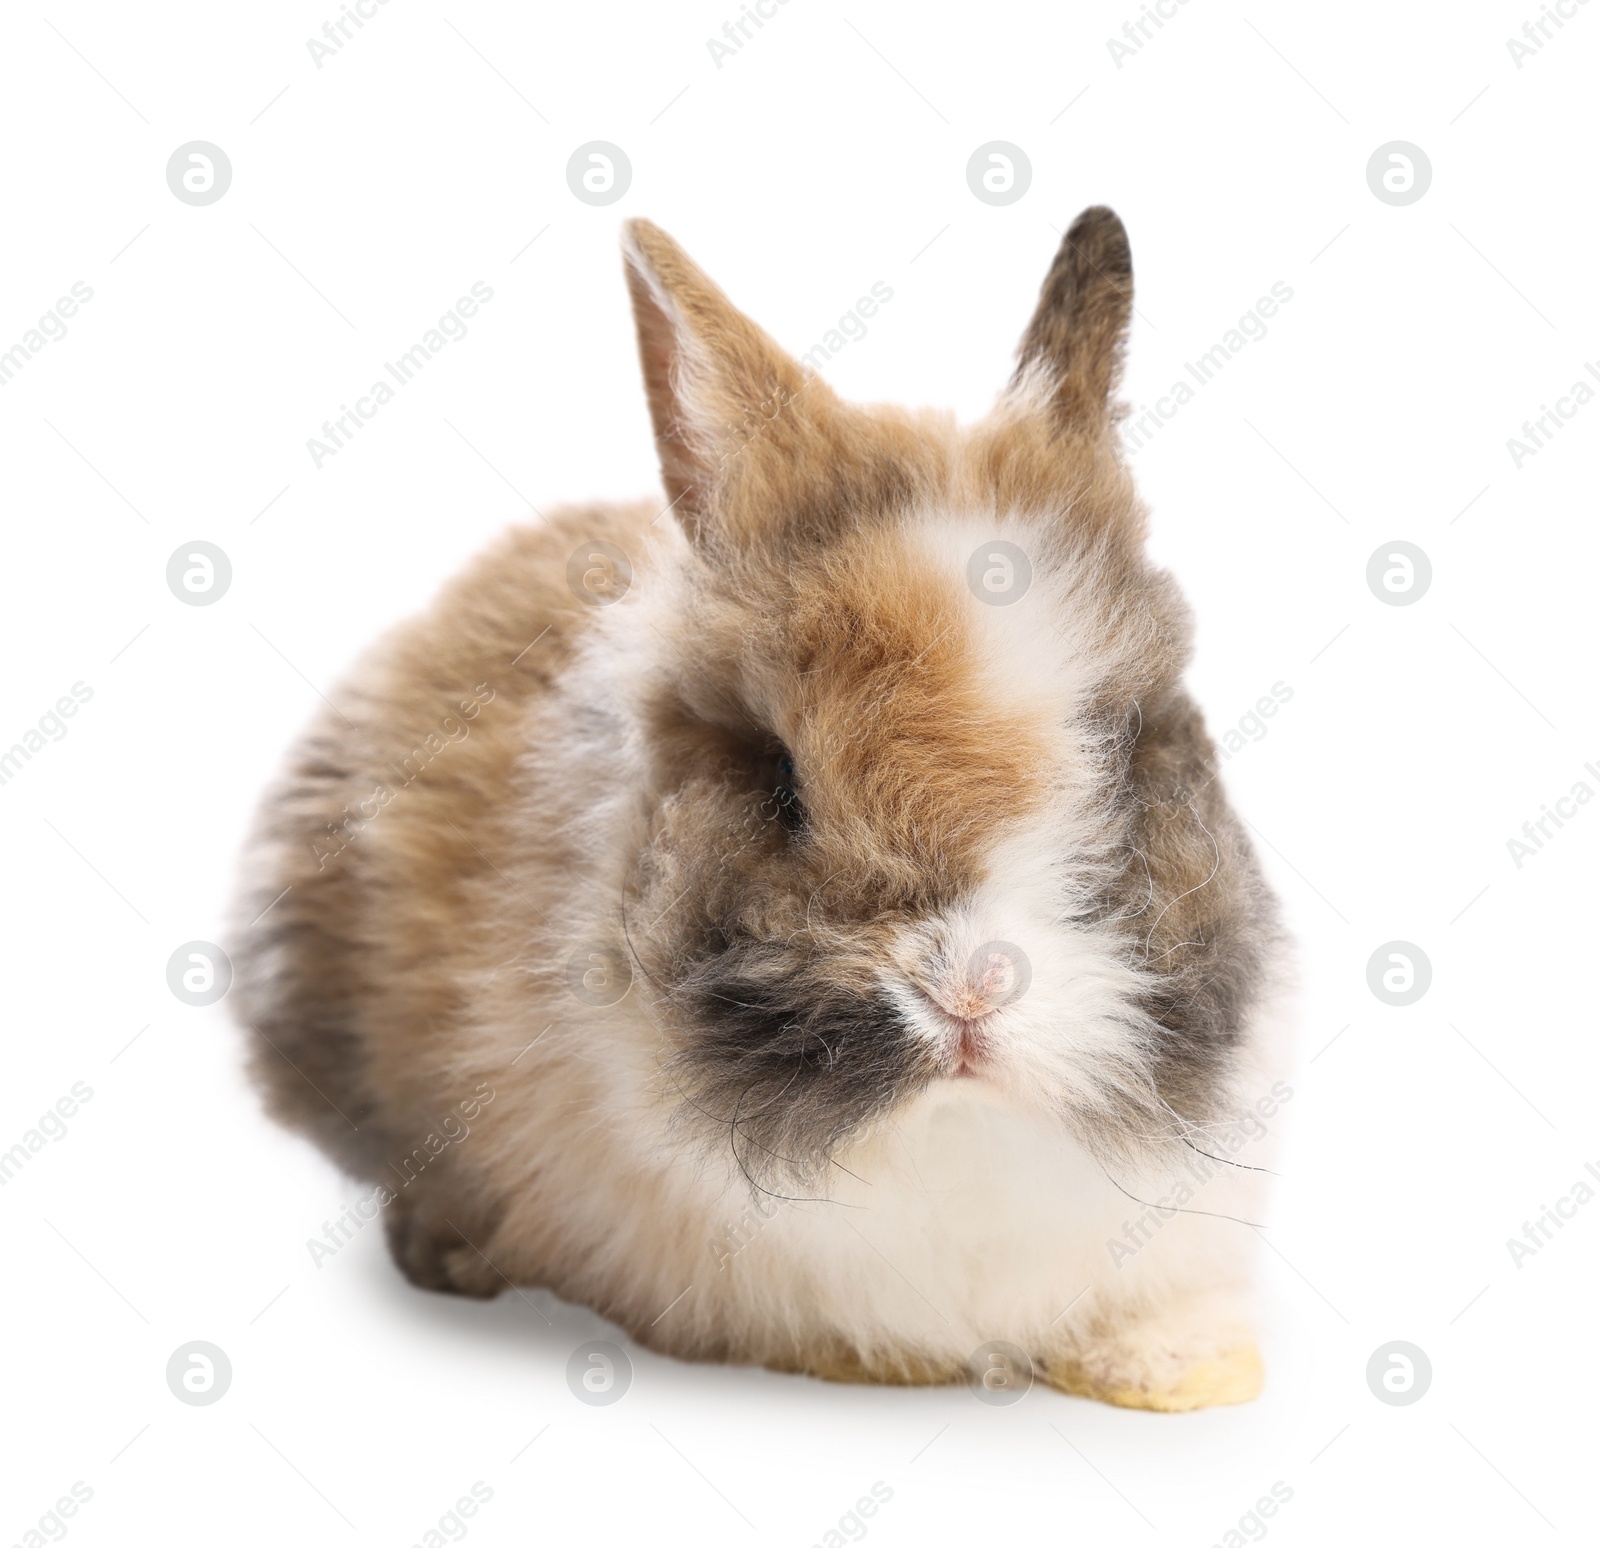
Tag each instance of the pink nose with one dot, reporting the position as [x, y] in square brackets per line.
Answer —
[966, 1002]
[982, 988]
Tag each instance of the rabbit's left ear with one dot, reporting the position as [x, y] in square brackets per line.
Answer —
[1071, 355]
[726, 401]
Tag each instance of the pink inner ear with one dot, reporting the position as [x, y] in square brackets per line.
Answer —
[658, 360]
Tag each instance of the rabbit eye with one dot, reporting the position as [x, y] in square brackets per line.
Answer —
[784, 802]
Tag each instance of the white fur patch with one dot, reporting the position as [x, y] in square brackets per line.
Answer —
[1073, 1035]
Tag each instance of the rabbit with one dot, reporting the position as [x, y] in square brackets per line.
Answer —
[799, 918]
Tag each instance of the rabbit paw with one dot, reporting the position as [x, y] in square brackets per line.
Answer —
[1147, 1366]
[435, 1255]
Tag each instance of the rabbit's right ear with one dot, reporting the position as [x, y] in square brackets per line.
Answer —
[728, 404]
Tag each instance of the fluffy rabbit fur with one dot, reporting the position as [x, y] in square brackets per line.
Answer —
[769, 941]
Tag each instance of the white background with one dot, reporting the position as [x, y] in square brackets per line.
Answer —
[828, 154]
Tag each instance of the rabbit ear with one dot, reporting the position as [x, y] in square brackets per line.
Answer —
[1071, 355]
[724, 398]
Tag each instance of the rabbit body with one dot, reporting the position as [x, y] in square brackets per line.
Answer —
[799, 919]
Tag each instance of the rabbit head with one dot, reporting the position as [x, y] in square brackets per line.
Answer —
[916, 802]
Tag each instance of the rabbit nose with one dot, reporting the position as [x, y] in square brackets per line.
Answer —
[971, 995]
[965, 1002]
[993, 976]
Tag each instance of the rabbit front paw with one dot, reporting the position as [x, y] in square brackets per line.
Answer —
[1162, 1364]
